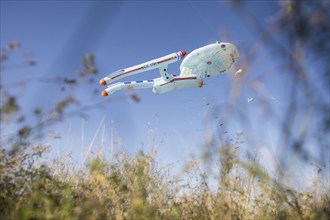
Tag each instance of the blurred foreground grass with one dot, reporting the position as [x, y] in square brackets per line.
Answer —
[136, 187]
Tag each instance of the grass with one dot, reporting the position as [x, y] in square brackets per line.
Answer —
[137, 187]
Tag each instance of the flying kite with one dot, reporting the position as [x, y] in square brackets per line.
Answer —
[207, 61]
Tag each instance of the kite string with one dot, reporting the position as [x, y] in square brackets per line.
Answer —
[204, 19]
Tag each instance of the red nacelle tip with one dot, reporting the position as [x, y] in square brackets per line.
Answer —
[104, 93]
[103, 82]
[183, 53]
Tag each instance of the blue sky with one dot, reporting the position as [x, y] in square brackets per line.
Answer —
[123, 34]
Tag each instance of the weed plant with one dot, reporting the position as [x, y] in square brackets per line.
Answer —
[137, 187]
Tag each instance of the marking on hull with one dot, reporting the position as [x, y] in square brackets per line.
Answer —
[162, 61]
[178, 79]
[127, 72]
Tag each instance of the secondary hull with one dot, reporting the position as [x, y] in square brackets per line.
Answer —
[177, 82]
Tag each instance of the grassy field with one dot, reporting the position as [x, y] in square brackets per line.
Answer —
[136, 187]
